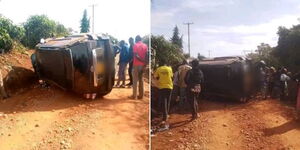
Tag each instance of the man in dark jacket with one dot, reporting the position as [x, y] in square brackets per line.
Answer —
[194, 78]
[131, 43]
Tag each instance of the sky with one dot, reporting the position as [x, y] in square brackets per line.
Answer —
[120, 18]
[224, 27]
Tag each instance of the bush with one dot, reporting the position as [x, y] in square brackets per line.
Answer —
[6, 42]
[37, 27]
[14, 31]
[164, 50]
[61, 30]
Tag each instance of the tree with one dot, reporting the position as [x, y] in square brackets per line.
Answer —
[264, 52]
[85, 23]
[287, 50]
[37, 27]
[10, 34]
[61, 30]
[176, 39]
[14, 31]
[164, 50]
[6, 42]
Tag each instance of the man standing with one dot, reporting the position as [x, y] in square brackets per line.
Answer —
[139, 63]
[131, 43]
[164, 75]
[284, 78]
[123, 61]
[3, 94]
[194, 79]
[182, 70]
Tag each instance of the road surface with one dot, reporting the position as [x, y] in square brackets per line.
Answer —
[259, 124]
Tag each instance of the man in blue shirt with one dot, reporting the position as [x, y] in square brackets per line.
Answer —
[123, 61]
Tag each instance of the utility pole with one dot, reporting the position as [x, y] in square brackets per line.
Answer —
[93, 17]
[209, 53]
[189, 46]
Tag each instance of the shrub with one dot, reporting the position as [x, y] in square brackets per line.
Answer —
[6, 42]
[14, 31]
[37, 27]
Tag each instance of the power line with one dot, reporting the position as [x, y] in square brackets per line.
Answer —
[188, 25]
[93, 17]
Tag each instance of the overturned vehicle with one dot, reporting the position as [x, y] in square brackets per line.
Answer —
[82, 63]
[230, 77]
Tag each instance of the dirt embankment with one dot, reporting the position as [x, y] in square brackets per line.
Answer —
[259, 124]
[17, 71]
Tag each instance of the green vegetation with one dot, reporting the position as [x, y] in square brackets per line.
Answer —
[5, 40]
[85, 23]
[29, 34]
[9, 33]
[266, 53]
[37, 27]
[288, 48]
[164, 50]
[285, 54]
[40, 26]
[176, 40]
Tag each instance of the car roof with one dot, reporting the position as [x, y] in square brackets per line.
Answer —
[67, 41]
[222, 60]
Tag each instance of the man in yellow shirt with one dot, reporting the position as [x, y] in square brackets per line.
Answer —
[164, 75]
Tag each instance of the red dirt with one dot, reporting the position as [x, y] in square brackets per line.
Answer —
[265, 124]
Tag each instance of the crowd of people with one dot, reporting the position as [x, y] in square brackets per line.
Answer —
[136, 57]
[279, 83]
[188, 78]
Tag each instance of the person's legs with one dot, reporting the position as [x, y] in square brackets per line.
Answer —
[195, 106]
[168, 95]
[182, 96]
[282, 91]
[192, 98]
[130, 74]
[135, 80]
[123, 74]
[141, 82]
[119, 75]
[164, 99]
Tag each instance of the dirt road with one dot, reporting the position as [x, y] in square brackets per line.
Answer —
[42, 118]
[259, 124]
